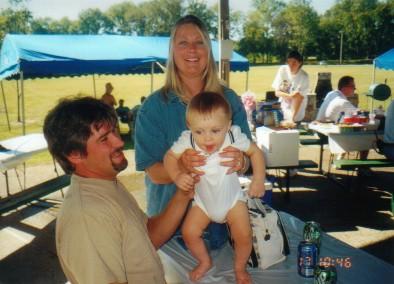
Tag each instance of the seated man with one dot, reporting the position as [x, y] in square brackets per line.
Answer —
[336, 101]
[102, 236]
[123, 112]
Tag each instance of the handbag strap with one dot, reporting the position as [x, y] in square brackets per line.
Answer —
[259, 206]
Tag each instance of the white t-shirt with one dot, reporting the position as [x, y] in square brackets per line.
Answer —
[101, 235]
[217, 192]
[298, 82]
[334, 103]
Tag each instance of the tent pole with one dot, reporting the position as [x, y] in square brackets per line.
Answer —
[5, 106]
[18, 98]
[94, 86]
[247, 81]
[373, 74]
[23, 106]
[151, 76]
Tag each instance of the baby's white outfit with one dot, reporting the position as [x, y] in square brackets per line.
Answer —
[217, 192]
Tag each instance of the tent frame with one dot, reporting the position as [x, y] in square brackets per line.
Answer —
[21, 96]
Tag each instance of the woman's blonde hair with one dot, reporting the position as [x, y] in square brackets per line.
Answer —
[173, 81]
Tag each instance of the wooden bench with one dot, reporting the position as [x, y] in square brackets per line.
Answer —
[352, 164]
[33, 193]
[315, 141]
[302, 164]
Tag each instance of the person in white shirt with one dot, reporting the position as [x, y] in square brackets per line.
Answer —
[218, 194]
[291, 85]
[336, 101]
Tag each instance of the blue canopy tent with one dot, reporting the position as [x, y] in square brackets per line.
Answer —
[381, 92]
[384, 61]
[46, 56]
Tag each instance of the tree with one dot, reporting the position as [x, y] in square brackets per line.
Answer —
[366, 25]
[383, 28]
[257, 41]
[14, 21]
[160, 16]
[209, 16]
[50, 26]
[127, 18]
[256, 38]
[93, 21]
[296, 27]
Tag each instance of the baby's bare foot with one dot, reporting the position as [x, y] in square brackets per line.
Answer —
[242, 277]
[198, 272]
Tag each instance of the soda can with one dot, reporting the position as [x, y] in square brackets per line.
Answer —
[307, 258]
[325, 274]
[312, 232]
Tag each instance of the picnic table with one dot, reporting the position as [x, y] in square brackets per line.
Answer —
[17, 150]
[353, 265]
[342, 139]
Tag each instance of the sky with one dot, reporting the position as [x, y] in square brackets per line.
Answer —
[57, 9]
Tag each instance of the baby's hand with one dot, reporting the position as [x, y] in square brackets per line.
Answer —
[256, 188]
[185, 182]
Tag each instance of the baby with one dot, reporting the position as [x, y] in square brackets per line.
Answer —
[218, 195]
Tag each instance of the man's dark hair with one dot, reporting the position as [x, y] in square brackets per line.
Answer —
[296, 55]
[68, 126]
[345, 81]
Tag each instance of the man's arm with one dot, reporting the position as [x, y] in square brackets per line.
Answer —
[163, 226]
[171, 165]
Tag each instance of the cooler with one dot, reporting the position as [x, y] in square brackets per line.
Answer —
[280, 147]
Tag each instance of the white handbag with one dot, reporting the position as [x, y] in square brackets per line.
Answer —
[270, 243]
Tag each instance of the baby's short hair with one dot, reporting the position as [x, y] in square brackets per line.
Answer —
[207, 102]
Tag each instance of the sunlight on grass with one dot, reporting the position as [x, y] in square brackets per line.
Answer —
[42, 94]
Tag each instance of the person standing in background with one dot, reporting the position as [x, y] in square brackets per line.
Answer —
[123, 112]
[291, 85]
[107, 97]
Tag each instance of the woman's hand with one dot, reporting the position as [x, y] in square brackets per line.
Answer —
[191, 159]
[234, 159]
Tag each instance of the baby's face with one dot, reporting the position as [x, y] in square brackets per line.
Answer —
[209, 131]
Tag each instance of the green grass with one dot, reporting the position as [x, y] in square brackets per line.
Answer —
[42, 94]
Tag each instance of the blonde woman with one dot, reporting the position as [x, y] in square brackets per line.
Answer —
[190, 69]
